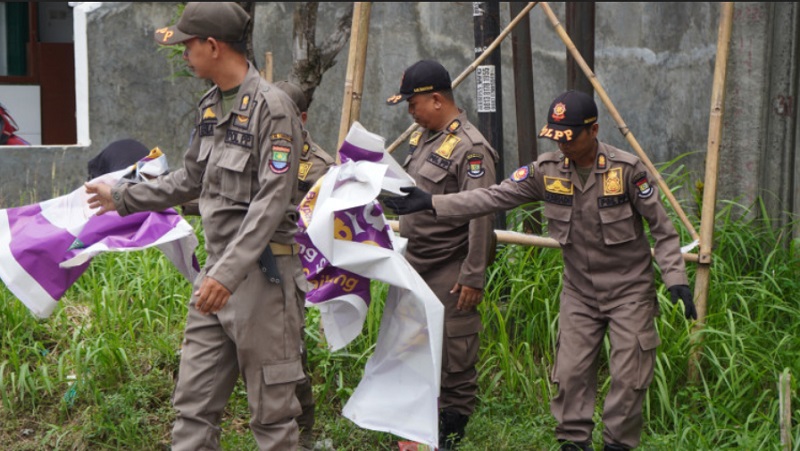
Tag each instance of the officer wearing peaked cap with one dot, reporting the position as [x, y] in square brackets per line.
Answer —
[596, 199]
[241, 165]
[449, 155]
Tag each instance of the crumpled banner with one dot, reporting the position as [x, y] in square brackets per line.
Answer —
[346, 242]
[45, 247]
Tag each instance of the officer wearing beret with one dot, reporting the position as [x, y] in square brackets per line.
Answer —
[595, 200]
[447, 154]
[314, 163]
[241, 165]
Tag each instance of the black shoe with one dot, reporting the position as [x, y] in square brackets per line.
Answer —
[608, 447]
[567, 445]
[451, 429]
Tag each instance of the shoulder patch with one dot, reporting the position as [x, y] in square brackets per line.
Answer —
[475, 165]
[520, 174]
[643, 185]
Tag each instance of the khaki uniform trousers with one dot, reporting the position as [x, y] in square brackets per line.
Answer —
[633, 339]
[257, 335]
[460, 343]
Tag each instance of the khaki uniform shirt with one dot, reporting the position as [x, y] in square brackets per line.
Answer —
[314, 163]
[599, 226]
[242, 167]
[455, 159]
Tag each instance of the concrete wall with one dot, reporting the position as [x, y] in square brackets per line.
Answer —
[655, 60]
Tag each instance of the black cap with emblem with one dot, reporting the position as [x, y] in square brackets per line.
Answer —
[223, 21]
[422, 77]
[568, 114]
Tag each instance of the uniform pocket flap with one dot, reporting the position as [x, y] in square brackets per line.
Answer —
[233, 159]
[463, 327]
[283, 372]
[648, 340]
[433, 173]
[616, 214]
[558, 212]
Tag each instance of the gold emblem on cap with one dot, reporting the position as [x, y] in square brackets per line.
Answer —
[394, 99]
[559, 110]
[166, 32]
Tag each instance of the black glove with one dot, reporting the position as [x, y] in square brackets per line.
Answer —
[683, 293]
[416, 200]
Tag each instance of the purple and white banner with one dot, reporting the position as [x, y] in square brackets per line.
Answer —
[345, 243]
[45, 247]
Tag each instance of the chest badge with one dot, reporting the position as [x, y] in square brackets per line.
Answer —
[557, 185]
[612, 182]
[303, 170]
[447, 147]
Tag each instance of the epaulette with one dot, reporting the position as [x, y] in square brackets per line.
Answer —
[620, 156]
[477, 138]
[550, 157]
[321, 154]
[275, 103]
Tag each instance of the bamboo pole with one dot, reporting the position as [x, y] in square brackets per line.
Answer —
[785, 408]
[268, 69]
[524, 239]
[707, 218]
[356, 60]
[618, 119]
[400, 139]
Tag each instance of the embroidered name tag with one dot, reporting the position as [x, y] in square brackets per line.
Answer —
[612, 201]
[438, 161]
[559, 199]
[240, 139]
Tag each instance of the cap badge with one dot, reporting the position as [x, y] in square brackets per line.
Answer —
[559, 112]
[394, 99]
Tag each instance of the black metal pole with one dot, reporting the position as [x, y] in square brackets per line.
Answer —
[527, 149]
[580, 28]
[486, 17]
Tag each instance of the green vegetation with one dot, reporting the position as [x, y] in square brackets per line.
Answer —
[99, 373]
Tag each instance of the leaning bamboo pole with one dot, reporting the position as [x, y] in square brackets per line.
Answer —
[617, 118]
[400, 139]
[701, 284]
[525, 239]
[356, 61]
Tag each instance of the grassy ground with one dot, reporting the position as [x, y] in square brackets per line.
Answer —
[99, 373]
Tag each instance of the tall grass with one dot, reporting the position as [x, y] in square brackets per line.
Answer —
[99, 373]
